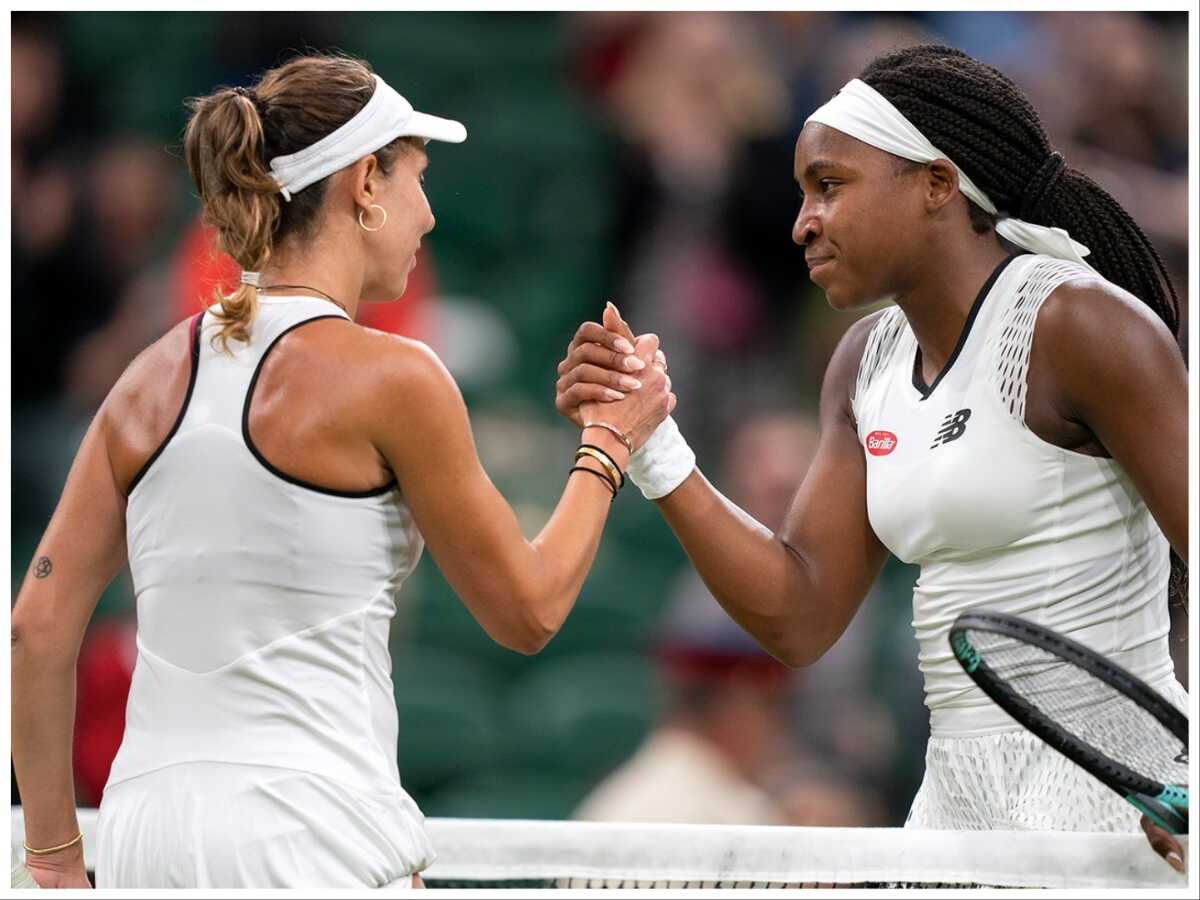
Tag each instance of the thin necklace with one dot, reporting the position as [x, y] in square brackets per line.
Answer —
[304, 287]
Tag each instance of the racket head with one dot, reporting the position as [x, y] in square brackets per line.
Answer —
[1165, 804]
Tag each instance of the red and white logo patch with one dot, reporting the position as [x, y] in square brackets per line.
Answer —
[880, 443]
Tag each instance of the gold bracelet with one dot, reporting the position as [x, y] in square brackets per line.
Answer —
[613, 428]
[74, 840]
[618, 479]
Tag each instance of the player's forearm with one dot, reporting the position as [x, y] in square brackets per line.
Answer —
[519, 590]
[566, 547]
[43, 713]
[764, 586]
[564, 552]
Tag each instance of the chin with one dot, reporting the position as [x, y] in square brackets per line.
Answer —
[840, 299]
[391, 292]
[843, 298]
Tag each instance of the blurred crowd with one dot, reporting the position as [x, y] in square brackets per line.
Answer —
[640, 157]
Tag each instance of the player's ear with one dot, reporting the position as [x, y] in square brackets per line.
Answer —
[941, 184]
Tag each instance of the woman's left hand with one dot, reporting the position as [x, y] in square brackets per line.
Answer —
[64, 869]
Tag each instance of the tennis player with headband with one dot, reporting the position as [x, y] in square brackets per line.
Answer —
[1016, 424]
[271, 470]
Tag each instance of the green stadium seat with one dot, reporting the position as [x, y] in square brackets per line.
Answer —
[509, 794]
[447, 707]
[581, 714]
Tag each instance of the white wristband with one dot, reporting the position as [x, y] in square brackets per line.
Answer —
[662, 463]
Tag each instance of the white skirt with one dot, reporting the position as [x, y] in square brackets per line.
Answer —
[217, 825]
[1014, 781]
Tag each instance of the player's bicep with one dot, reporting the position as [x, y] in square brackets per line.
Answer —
[1118, 371]
[425, 435]
[827, 525]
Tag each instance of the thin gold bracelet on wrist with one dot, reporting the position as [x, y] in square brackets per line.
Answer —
[624, 438]
[598, 454]
[71, 842]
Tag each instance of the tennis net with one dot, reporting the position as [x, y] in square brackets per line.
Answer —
[495, 853]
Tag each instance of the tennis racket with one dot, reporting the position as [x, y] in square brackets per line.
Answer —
[1086, 707]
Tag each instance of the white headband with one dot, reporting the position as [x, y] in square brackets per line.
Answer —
[863, 113]
[386, 117]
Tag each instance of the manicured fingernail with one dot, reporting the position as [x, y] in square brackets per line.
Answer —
[1175, 860]
[634, 364]
[623, 345]
[630, 384]
[613, 395]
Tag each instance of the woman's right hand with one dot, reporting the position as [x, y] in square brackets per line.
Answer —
[602, 368]
[644, 407]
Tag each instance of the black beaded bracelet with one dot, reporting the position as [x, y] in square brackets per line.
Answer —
[607, 481]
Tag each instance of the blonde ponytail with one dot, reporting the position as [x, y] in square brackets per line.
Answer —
[224, 146]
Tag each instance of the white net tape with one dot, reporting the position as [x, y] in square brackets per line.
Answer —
[496, 852]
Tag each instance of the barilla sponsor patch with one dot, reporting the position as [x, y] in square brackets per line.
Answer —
[881, 443]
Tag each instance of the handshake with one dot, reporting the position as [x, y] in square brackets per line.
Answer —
[616, 380]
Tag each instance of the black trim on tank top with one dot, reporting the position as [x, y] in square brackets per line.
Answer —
[918, 377]
[278, 473]
[194, 335]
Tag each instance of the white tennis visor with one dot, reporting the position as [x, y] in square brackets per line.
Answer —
[386, 117]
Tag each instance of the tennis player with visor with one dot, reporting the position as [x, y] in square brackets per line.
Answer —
[1015, 423]
[272, 472]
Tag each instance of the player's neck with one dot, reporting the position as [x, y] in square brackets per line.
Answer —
[940, 301]
[323, 267]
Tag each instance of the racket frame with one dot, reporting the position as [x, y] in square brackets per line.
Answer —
[1166, 805]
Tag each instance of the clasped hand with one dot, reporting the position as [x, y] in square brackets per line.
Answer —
[611, 375]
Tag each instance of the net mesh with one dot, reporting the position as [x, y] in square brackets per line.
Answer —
[1083, 705]
[495, 853]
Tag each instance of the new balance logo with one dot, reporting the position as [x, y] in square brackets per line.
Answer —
[952, 428]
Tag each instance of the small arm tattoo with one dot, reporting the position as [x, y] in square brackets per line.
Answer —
[42, 567]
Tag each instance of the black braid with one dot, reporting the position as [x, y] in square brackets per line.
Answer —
[974, 113]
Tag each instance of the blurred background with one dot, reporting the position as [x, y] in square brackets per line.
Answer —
[640, 157]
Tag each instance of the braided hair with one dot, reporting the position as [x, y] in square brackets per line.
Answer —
[976, 114]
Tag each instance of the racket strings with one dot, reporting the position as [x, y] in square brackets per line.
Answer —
[1085, 706]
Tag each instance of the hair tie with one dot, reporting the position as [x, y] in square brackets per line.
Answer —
[1041, 184]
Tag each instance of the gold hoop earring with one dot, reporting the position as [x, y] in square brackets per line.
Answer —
[381, 224]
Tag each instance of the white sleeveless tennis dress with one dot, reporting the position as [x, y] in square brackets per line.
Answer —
[997, 518]
[260, 733]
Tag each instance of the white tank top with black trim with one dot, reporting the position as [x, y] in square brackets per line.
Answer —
[994, 516]
[263, 603]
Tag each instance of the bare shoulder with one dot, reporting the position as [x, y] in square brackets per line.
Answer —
[416, 408]
[1098, 353]
[852, 344]
[148, 377]
[843, 366]
[1090, 324]
[402, 366]
[142, 406]
[407, 391]
[1089, 317]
